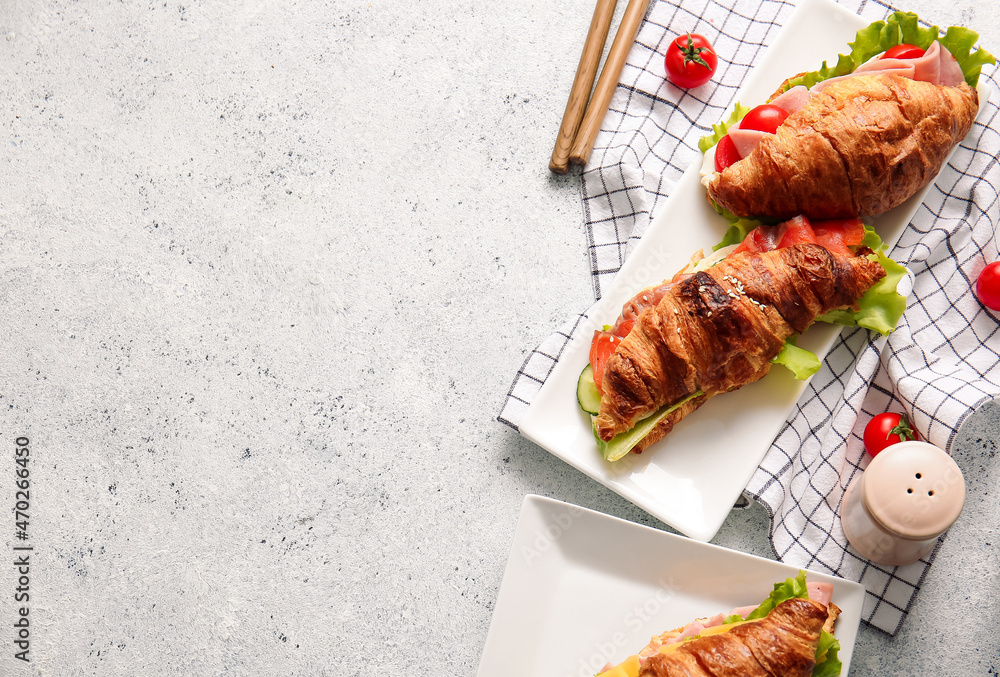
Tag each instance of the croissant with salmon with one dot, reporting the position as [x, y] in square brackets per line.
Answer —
[718, 329]
[859, 147]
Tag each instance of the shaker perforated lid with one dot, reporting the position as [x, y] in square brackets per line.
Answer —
[914, 490]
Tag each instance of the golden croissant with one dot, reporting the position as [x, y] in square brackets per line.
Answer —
[718, 329]
[859, 147]
[782, 644]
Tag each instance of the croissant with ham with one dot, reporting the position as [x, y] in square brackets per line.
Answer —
[789, 635]
[782, 644]
[853, 139]
[718, 329]
[859, 146]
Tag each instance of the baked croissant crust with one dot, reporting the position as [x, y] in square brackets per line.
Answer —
[718, 330]
[782, 644]
[859, 147]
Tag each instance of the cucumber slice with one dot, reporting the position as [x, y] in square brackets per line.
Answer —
[622, 443]
[586, 392]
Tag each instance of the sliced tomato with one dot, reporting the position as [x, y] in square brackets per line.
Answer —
[601, 349]
[838, 235]
[726, 153]
[797, 231]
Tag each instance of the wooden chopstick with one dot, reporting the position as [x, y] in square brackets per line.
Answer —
[606, 84]
[593, 47]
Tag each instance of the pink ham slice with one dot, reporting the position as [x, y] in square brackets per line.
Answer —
[793, 100]
[820, 592]
[746, 140]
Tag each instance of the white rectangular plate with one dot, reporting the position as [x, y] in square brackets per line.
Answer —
[582, 589]
[691, 479]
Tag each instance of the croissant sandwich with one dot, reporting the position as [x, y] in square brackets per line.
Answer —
[789, 635]
[853, 140]
[720, 324]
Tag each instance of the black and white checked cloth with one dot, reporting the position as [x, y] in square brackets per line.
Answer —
[941, 363]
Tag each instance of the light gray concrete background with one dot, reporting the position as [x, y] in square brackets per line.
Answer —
[268, 269]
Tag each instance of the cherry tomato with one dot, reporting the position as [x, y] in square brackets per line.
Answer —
[764, 118]
[903, 51]
[726, 153]
[690, 61]
[887, 429]
[988, 286]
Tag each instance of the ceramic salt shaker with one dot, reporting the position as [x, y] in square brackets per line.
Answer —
[910, 494]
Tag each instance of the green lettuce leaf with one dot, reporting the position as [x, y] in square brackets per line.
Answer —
[789, 589]
[881, 306]
[828, 663]
[738, 230]
[720, 129]
[897, 29]
[959, 42]
[801, 362]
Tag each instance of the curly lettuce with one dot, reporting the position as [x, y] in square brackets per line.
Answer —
[881, 306]
[720, 130]
[801, 362]
[902, 28]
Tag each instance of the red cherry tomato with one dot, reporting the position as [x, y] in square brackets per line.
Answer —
[988, 286]
[726, 153]
[903, 51]
[887, 429]
[690, 61]
[764, 118]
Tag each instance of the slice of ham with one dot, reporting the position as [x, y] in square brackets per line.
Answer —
[793, 100]
[820, 592]
[746, 140]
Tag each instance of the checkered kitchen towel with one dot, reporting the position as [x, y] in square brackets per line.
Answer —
[940, 364]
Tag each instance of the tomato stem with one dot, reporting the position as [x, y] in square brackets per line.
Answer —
[692, 53]
[902, 429]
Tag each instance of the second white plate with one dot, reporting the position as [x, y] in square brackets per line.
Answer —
[582, 589]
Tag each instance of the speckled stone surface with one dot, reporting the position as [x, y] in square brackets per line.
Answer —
[268, 269]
